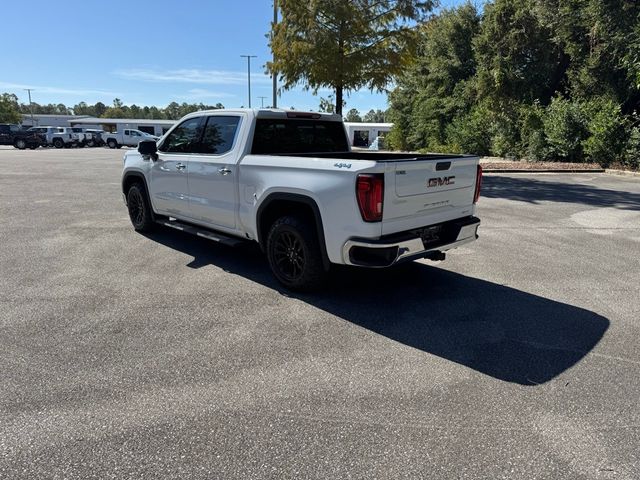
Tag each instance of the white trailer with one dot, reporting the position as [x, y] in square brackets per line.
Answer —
[363, 134]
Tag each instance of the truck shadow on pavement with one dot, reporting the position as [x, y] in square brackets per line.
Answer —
[535, 191]
[499, 331]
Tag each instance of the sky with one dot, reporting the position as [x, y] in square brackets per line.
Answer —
[148, 52]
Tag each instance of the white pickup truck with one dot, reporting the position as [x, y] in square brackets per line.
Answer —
[129, 137]
[289, 181]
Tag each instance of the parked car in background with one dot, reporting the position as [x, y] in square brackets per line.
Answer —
[83, 137]
[128, 137]
[96, 137]
[14, 135]
[58, 137]
[64, 138]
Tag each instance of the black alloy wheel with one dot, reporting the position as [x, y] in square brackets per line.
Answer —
[289, 255]
[294, 254]
[138, 207]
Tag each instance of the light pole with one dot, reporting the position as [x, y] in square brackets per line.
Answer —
[30, 105]
[249, 57]
[262, 101]
[275, 74]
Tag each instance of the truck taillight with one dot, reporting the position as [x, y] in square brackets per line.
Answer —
[370, 195]
[476, 195]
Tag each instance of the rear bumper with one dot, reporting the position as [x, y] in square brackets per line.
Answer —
[426, 242]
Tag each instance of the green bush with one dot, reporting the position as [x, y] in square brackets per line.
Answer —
[533, 144]
[471, 133]
[631, 157]
[505, 134]
[607, 133]
[396, 139]
[565, 128]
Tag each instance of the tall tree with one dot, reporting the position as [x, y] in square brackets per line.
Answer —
[9, 110]
[353, 115]
[602, 39]
[517, 58]
[99, 108]
[440, 84]
[374, 116]
[344, 45]
[327, 105]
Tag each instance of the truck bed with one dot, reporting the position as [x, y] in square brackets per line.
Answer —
[376, 156]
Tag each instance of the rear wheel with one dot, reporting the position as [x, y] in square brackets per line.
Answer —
[294, 254]
[20, 144]
[139, 209]
[112, 143]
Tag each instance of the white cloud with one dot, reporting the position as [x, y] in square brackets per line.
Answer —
[201, 94]
[77, 92]
[192, 75]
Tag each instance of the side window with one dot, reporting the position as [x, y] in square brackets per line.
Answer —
[219, 135]
[127, 132]
[183, 138]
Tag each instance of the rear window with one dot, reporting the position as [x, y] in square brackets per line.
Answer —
[288, 136]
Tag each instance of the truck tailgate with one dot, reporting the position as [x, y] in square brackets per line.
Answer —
[423, 192]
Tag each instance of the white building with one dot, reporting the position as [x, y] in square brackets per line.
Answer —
[46, 120]
[364, 134]
[153, 127]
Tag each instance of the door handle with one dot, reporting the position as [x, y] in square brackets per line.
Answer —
[180, 166]
[224, 171]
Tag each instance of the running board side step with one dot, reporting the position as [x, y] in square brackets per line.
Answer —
[201, 232]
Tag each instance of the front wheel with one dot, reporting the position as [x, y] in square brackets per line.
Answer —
[58, 143]
[139, 209]
[294, 254]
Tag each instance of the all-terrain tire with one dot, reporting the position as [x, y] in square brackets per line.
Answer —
[294, 254]
[58, 143]
[112, 143]
[139, 208]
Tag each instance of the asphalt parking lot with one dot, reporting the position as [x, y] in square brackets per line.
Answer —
[167, 356]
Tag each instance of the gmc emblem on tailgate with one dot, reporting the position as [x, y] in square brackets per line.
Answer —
[439, 181]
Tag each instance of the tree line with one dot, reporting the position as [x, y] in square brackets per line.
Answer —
[534, 79]
[11, 110]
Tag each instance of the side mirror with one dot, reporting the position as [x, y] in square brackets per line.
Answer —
[148, 148]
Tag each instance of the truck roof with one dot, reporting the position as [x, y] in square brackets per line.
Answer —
[277, 113]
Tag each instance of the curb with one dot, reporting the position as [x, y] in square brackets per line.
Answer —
[622, 173]
[512, 170]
